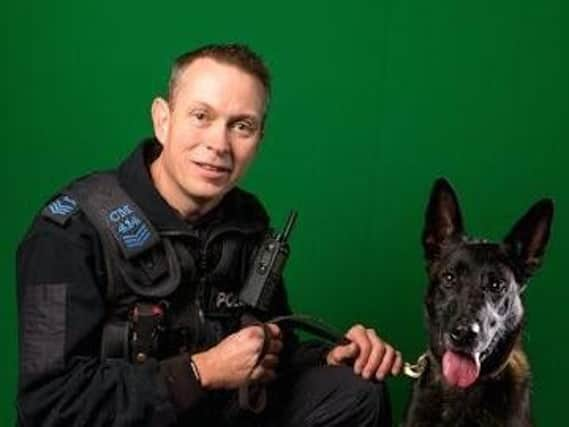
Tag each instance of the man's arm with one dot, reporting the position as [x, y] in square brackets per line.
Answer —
[63, 380]
[370, 355]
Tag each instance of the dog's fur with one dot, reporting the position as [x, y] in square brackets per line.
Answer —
[474, 309]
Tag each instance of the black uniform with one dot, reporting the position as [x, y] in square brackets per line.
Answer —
[64, 305]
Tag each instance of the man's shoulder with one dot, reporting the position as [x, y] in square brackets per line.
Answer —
[61, 216]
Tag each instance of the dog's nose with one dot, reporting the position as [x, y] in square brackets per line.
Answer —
[464, 334]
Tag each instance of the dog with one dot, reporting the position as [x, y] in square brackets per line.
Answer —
[475, 372]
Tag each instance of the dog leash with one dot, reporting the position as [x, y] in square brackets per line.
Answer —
[253, 398]
[312, 325]
[321, 329]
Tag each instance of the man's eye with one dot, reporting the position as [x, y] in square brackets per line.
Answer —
[199, 116]
[245, 128]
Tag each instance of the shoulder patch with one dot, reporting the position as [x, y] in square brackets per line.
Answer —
[61, 209]
[114, 214]
[131, 229]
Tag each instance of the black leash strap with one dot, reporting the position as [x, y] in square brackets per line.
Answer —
[253, 397]
[313, 326]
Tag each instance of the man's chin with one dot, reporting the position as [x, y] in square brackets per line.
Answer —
[209, 194]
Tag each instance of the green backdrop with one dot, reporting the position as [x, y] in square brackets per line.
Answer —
[372, 101]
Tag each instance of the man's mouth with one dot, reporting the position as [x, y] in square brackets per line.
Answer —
[460, 369]
[213, 168]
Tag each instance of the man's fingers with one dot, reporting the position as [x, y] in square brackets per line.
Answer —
[267, 376]
[275, 331]
[398, 364]
[252, 333]
[270, 361]
[373, 356]
[275, 346]
[386, 363]
[262, 375]
[342, 352]
[376, 355]
[359, 336]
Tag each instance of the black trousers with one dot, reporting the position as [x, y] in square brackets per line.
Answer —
[313, 397]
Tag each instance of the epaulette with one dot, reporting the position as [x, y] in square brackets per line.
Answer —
[61, 209]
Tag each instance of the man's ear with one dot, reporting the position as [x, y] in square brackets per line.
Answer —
[160, 111]
[443, 220]
[528, 238]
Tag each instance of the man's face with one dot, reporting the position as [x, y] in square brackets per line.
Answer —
[210, 130]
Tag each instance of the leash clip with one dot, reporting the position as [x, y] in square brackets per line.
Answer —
[416, 370]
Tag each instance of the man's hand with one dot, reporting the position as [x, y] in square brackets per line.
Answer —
[235, 360]
[372, 357]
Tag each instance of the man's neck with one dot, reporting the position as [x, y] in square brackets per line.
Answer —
[187, 207]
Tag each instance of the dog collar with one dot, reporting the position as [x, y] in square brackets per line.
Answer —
[415, 370]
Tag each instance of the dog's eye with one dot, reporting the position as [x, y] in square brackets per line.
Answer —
[448, 279]
[496, 285]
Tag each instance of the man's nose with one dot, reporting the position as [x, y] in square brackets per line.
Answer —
[218, 139]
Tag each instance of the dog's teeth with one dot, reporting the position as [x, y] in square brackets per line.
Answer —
[477, 357]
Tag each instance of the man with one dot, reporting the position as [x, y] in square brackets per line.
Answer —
[159, 272]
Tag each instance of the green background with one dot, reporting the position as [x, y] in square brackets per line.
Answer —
[372, 101]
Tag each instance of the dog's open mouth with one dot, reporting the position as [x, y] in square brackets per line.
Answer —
[459, 369]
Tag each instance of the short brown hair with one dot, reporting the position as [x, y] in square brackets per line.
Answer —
[235, 54]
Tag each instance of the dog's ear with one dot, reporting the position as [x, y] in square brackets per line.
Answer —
[443, 220]
[528, 238]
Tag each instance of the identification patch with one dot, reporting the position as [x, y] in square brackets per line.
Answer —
[130, 229]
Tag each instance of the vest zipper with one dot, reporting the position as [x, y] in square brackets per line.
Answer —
[202, 267]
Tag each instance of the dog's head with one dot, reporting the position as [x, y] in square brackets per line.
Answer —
[473, 303]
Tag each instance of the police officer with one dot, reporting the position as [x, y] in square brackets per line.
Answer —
[128, 282]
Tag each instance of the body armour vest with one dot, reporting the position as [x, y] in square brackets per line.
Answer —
[167, 291]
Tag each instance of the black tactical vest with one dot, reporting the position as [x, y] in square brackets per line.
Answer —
[167, 291]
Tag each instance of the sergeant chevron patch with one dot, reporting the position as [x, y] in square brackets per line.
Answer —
[130, 229]
[60, 209]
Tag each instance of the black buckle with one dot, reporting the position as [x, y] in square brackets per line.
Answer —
[147, 322]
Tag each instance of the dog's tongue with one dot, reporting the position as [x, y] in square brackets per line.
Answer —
[459, 370]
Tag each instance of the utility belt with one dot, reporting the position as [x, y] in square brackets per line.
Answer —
[148, 332]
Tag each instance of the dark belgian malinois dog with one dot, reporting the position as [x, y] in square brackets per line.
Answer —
[476, 373]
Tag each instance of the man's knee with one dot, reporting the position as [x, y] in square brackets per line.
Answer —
[371, 405]
[335, 396]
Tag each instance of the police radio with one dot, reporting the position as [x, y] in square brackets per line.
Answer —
[265, 273]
